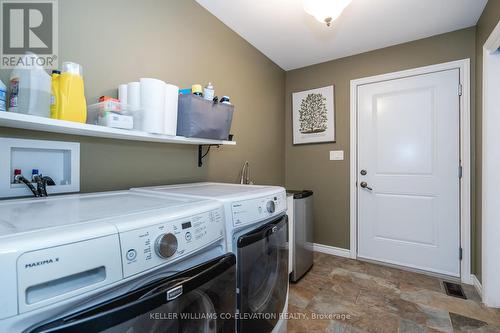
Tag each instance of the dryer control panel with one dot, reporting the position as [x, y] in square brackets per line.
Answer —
[151, 246]
[253, 210]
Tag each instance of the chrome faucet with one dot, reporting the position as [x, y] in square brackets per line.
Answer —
[245, 174]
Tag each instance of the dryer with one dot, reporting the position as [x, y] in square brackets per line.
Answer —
[115, 262]
[256, 231]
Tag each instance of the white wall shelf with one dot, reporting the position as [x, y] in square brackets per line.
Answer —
[23, 121]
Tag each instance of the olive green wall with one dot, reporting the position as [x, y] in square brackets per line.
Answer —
[308, 166]
[487, 22]
[117, 41]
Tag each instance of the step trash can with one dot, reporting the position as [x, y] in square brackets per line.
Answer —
[301, 233]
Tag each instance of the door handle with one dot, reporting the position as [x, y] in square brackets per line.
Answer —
[365, 185]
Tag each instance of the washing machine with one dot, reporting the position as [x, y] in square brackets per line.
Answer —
[115, 262]
[256, 232]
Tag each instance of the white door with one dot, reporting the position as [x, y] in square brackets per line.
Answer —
[408, 163]
[491, 177]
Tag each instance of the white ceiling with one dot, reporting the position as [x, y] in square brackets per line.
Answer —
[291, 38]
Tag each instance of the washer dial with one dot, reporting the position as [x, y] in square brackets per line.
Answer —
[166, 245]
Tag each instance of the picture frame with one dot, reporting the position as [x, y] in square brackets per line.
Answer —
[313, 113]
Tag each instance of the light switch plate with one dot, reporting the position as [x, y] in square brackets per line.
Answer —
[336, 155]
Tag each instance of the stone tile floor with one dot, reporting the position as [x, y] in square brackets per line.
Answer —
[341, 295]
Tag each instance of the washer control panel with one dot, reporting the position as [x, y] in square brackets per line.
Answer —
[147, 247]
[249, 211]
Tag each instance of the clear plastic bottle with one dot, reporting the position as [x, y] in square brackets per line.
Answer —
[29, 88]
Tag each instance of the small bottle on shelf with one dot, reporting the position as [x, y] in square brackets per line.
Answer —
[196, 89]
[209, 92]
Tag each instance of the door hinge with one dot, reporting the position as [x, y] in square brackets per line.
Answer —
[460, 172]
[460, 253]
[460, 89]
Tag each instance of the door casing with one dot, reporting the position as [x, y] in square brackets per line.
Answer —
[465, 148]
[490, 233]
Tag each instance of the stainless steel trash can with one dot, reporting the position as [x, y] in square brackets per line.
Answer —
[302, 253]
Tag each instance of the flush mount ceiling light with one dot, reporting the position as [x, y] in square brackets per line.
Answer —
[325, 11]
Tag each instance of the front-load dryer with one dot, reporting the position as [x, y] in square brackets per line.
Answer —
[115, 262]
[256, 231]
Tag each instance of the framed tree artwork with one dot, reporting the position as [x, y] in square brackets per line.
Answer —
[313, 116]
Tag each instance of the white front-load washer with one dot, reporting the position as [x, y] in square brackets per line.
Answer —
[256, 231]
[115, 262]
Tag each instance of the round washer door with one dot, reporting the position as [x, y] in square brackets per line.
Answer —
[262, 276]
[195, 312]
[201, 299]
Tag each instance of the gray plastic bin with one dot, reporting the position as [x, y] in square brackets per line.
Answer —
[200, 118]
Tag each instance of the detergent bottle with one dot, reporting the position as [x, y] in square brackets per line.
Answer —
[71, 105]
[55, 97]
[29, 88]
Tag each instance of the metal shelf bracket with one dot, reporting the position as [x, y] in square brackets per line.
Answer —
[202, 155]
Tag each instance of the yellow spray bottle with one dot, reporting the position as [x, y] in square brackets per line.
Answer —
[72, 105]
[54, 98]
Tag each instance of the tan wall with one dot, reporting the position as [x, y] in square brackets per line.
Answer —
[118, 41]
[487, 22]
[308, 166]
[180, 42]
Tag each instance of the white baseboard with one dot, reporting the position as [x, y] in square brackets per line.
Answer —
[477, 284]
[335, 251]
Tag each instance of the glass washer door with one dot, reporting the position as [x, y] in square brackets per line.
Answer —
[262, 276]
[195, 301]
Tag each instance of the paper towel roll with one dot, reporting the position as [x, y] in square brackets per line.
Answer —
[170, 113]
[122, 94]
[134, 94]
[152, 105]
